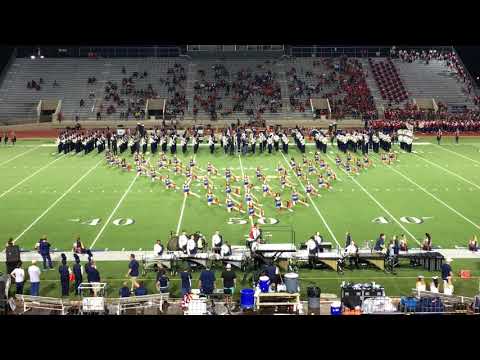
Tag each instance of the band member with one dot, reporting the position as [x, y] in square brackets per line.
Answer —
[296, 198]
[183, 144]
[233, 205]
[457, 135]
[439, 136]
[211, 199]
[211, 144]
[168, 183]
[310, 189]
[351, 251]
[380, 244]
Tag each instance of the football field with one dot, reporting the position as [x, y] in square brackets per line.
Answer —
[436, 189]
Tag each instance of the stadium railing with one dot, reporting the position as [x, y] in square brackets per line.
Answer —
[43, 303]
[139, 302]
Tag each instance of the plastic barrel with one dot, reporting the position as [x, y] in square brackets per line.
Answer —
[291, 282]
[247, 299]
[336, 308]
[313, 293]
[264, 284]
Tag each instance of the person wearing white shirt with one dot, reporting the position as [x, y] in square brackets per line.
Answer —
[18, 275]
[351, 251]
[34, 275]
[225, 249]
[182, 241]
[216, 242]
[158, 248]
[448, 286]
[434, 285]
[420, 284]
[191, 246]
[318, 238]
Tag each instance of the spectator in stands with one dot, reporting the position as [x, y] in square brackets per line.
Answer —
[43, 247]
[420, 284]
[99, 116]
[207, 281]
[82, 102]
[18, 274]
[133, 271]
[141, 290]
[34, 276]
[12, 255]
[124, 290]
[473, 243]
[55, 83]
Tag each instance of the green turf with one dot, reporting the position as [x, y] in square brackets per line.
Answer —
[439, 185]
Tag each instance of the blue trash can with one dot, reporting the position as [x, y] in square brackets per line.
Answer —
[247, 299]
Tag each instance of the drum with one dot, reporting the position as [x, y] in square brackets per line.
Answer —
[173, 244]
[291, 282]
[336, 308]
[264, 284]
[247, 299]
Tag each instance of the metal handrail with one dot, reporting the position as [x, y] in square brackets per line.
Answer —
[472, 79]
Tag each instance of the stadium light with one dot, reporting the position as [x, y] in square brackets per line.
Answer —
[41, 57]
[32, 57]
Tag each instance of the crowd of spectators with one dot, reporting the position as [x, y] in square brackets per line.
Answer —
[341, 80]
[253, 92]
[175, 82]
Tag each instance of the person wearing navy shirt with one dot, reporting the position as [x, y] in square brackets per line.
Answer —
[44, 250]
[64, 276]
[163, 281]
[77, 272]
[207, 281]
[186, 278]
[93, 276]
[141, 290]
[380, 244]
[133, 271]
[124, 290]
[446, 270]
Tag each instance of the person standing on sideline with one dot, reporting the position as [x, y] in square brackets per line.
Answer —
[93, 276]
[446, 270]
[457, 135]
[64, 276]
[207, 281]
[133, 272]
[77, 272]
[163, 282]
[18, 274]
[34, 275]
[439, 136]
[186, 281]
[229, 281]
[43, 248]
[348, 239]
[12, 255]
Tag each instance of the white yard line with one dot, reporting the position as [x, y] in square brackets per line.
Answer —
[21, 154]
[243, 176]
[58, 200]
[314, 205]
[180, 219]
[115, 209]
[29, 177]
[458, 154]
[448, 171]
[377, 202]
[433, 196]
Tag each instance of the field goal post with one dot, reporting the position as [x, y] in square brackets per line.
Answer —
[268, 232]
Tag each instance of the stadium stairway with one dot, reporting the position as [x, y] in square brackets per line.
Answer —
[434, 80]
